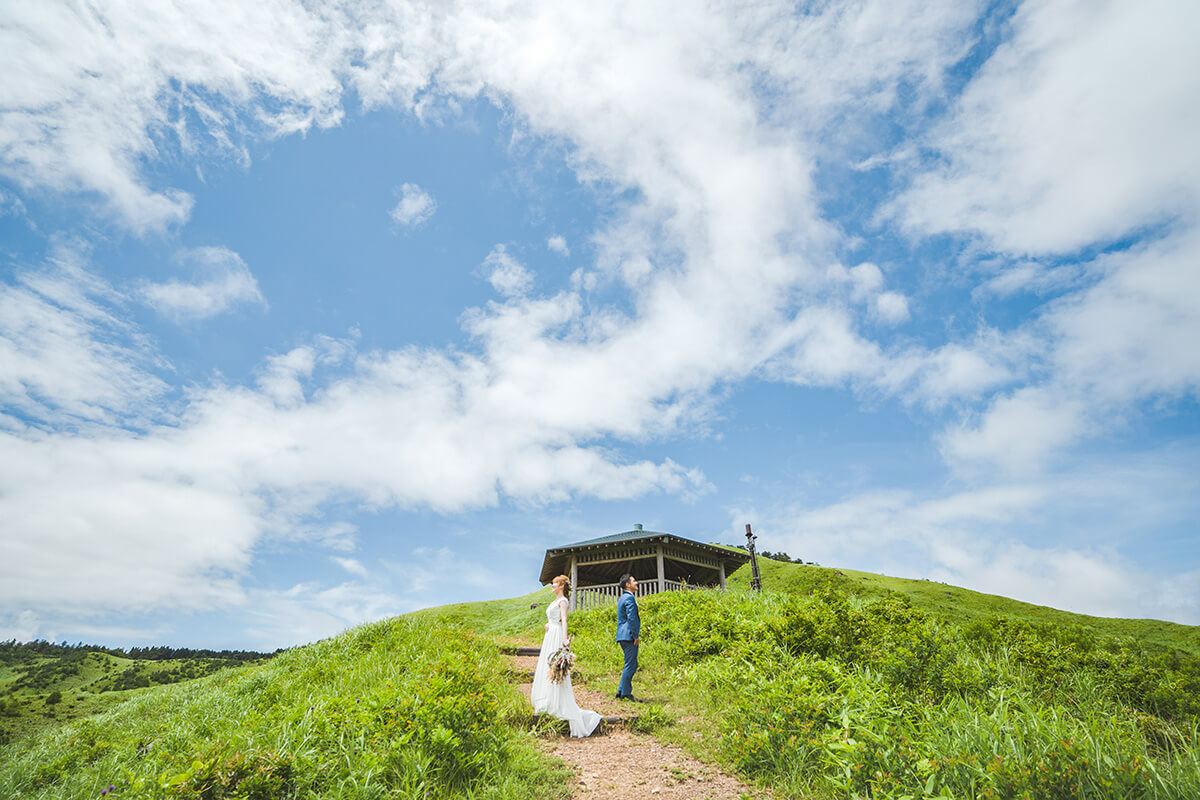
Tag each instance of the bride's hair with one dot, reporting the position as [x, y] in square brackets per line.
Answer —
[566, 584]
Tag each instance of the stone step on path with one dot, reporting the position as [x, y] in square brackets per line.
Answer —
[617, 763]
[520, 650]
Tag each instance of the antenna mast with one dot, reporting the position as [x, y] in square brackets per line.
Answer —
[755, 581]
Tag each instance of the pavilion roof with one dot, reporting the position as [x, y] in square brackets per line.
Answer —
[557, 558]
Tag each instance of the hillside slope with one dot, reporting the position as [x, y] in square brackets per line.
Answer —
[389, 709]
[833, 683]
[44, 684]
[830, 683]
[955, 603]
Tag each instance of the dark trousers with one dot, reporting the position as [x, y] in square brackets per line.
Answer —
[631, 665]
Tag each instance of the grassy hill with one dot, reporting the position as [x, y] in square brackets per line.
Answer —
[831, 683]
[44, 684]
[837, 683]
[955, 603]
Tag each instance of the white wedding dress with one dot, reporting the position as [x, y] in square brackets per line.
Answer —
[558, 699]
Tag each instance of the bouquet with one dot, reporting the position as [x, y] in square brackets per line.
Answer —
[561, 661]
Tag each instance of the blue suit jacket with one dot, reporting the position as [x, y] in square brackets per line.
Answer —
[629, 625]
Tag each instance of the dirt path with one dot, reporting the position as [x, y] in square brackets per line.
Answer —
[618, 764]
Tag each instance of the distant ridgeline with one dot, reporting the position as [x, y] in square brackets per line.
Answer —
[14, 651]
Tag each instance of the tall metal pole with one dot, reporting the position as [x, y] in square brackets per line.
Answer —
[755, 581]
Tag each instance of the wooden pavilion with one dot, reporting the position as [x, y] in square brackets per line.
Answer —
[661, 562]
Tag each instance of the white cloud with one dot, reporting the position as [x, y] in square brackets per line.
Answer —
[87, 519]
[307, 612]
[426, 567]
[1019, 430]
[90, 94]
[1078, 129]
[177, 509]
[890, 307]
[866, 279]
[351, 565]
[1076, 132]
[11, 205]
[558, 244]
[24, 626]
[716, 233]
[1126, 338]
[65, 350]
[223, 281]
[1015, 539]
[507, 276]
[415, 207]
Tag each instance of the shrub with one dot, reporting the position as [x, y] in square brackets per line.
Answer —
[861, 697]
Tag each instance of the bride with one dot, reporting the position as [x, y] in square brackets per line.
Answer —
[558, 699]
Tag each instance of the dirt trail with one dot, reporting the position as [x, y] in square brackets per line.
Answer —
[617, 764]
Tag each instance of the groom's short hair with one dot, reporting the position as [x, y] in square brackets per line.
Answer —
[625, 579]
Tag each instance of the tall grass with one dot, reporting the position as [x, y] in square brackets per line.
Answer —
[392, 709]
[833, 695]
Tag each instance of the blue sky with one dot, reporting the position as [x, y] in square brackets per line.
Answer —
[311, 315]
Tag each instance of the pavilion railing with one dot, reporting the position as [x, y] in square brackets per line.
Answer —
[605, 593]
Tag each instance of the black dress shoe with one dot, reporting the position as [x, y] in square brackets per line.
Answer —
[632, 699]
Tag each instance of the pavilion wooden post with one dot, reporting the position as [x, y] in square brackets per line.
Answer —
[662, 587]
[574, 581]
[721, 569]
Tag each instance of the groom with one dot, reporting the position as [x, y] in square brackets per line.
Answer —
[629, 626]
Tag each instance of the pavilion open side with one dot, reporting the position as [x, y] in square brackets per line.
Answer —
[661, 562]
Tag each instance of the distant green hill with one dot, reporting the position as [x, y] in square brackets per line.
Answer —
[43, 684]
[829, 684]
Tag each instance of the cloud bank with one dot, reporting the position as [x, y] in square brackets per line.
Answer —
[703, 131]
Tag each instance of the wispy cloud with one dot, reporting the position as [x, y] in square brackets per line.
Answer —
[80, 115]
[67, 350]
[506, 274]
[414, 208]
[1056, 145]
[558, 244]
[351, 565]
[222, 281]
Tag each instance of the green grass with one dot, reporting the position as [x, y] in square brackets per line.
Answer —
[42, 690]
[830, 684]
[955, 603]
[391, 709]
[821, 687]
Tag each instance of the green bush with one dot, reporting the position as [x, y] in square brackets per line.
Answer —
[834, 694]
